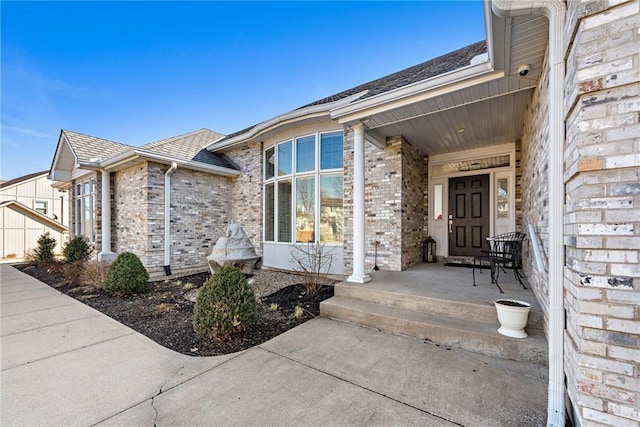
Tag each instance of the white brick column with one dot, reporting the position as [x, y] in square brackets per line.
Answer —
[106, 254]
[358, 275]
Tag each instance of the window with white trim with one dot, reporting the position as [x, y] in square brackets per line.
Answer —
[41, 206]
[85, 209]
[303, 189]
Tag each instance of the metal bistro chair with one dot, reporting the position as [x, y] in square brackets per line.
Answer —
[503, 249]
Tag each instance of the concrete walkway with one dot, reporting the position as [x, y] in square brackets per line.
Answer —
[64, 363]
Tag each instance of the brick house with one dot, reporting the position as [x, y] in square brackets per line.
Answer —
[541, 121]
[137, 185]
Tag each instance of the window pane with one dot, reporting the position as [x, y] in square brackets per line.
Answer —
[284, 211]
[284, 158]
[86, 217]
[86, 188]
[437, 201]
[331, 216]
[305, 154]
[40, 206]
[331, 150]
[305, 211]
[269, 163]
[78, 217]
[269, 212]
[503, 198]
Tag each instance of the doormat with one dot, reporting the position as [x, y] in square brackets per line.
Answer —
[456, 264]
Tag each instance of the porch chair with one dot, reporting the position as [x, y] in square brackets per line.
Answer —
[504, 249]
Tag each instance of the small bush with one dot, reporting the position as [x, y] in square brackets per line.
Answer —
[43, 253]
[126, 275]
[314, 262]
[226, 304]
[74, 271]
[77, 249]
[95, 273]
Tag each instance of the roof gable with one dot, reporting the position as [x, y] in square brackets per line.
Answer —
[22, 179]
[90, 148]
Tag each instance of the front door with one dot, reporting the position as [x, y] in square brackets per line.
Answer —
[468, 215]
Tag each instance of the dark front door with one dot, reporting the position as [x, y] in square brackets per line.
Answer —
[468, 215]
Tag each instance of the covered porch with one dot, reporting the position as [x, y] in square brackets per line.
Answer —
[439, 304]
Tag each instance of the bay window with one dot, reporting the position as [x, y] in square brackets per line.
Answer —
[303, 201]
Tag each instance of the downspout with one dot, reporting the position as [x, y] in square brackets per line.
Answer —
[555, 12]
[167, 218]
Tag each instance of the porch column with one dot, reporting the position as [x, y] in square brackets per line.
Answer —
[105, 212]
[358, 275]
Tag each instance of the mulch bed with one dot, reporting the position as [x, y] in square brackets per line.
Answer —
[164, 315]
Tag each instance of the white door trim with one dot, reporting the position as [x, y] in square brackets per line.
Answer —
[439, 228]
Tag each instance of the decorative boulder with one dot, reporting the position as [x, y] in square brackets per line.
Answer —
[234, 249]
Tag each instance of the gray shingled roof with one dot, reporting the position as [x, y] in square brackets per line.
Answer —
[187, 147]
[190, 147]
[434, 67]
[88, 147]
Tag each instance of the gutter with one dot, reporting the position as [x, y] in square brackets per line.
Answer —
[424, 89]
[555, 12]
[113, 163]
[167, 218]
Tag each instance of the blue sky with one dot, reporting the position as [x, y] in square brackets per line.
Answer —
[136, 72]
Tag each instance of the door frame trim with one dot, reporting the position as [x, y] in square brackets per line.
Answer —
[438, 228]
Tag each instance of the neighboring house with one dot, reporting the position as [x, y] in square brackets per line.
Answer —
[534, 130]
[30, 207]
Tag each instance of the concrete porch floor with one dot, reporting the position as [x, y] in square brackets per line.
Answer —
[452, 283]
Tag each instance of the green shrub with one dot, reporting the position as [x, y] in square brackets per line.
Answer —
[43, 253]
[226, 304]
[126, 275]
[77, 249]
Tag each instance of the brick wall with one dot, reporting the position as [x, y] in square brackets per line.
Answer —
[414, 186]
[533, 165]
[246, 192]
[200, 209]
[394, 207]
[602, 213]
[129, 211]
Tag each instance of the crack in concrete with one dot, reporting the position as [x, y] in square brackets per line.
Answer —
[153, 405]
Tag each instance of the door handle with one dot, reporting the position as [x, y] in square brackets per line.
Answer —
[450, 226]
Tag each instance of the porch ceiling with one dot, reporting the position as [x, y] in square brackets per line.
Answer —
[490, 112]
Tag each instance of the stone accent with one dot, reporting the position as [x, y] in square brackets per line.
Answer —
[395, 214]
[602, 210]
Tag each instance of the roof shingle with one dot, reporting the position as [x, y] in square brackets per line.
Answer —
[89, 148]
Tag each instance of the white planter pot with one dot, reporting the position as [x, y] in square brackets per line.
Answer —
[513, 316]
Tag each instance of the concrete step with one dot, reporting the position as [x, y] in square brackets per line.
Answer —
[468, 334]
[481, 312]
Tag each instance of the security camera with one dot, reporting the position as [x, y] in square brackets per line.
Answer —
[523, 70]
